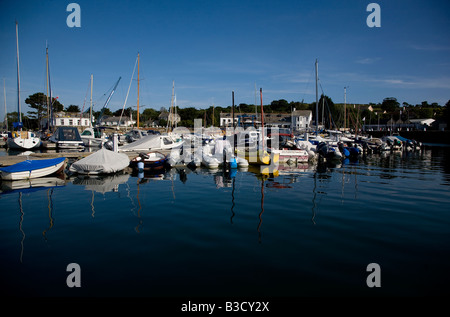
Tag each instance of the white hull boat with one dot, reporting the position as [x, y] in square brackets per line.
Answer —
[33, 169]
[23, 140]
[153, 142]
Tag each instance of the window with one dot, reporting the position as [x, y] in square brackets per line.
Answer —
[70, 121]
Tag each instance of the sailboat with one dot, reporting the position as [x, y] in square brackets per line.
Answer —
[21, 140]
[258, 155]
[93, 136]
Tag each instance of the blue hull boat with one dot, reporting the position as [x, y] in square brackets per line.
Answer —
[33, 169]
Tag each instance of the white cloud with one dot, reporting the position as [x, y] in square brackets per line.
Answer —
[367, 60]
[430, 47]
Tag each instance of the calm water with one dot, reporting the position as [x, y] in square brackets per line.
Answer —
[304, 232]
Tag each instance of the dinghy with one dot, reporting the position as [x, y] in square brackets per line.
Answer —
[213, 157]
[32, 169]
[149, 162]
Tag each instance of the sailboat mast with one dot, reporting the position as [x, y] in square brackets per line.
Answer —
[90, 110]
[345, 106]
[18, 76]
[262, 119]
[175, 106]
[234, 127]
[138, 95]
[317, 98]
[6, 113]
[48, 104]
[170, 118]
[49, 94]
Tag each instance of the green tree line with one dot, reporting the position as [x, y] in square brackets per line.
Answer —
[329, 114]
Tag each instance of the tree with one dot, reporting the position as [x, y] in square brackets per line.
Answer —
[390, 104]
[38, 102]
[150, 114]
[280, 106]
[73, 108]
[446, 112]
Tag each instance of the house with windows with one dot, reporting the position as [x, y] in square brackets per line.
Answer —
[112, 121]
[297, 120]
[301, 119]
[68, 119]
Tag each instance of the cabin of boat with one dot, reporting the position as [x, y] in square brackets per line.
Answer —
[67, 138]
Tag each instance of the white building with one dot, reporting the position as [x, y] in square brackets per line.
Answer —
[117, 122]
[68, 119]
[301, 119]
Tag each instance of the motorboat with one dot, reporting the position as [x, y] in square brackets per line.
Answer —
[67, 138]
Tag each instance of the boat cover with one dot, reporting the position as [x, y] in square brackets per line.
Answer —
[101, 162]
[144, 143]
[31, 165]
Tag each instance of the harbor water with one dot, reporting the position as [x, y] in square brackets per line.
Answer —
[308, 231]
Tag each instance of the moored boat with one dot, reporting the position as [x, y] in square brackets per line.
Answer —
[153, 143]
[149, 162]
[33, 169]
[94, 137]
[23, 140]
[67, 138]
[102, 161]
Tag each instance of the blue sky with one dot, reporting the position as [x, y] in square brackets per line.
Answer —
[211, 48]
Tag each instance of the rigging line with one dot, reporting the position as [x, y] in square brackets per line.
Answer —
[308, 82]
[126, 98]
[85, 97]
[326, 102]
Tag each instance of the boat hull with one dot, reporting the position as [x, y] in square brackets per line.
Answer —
[149, 162]
[19, 143]
[292, 155]
[258, 157]
[33, 170]
[93, 142]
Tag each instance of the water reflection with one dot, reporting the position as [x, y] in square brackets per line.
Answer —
[31, 186]
[321, 182]
[50, 212]
[101, 183]
[22, 214]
